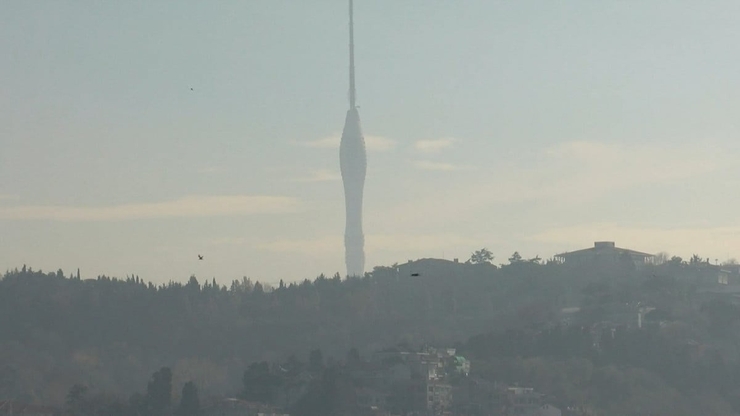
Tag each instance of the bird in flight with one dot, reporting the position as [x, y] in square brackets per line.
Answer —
[191, 88]
[200, 257]
[414, 274]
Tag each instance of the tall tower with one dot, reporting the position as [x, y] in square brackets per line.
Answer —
[353, 163]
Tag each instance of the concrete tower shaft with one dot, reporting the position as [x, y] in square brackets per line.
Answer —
[353, 164]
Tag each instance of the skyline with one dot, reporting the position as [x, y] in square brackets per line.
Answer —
[533, 126]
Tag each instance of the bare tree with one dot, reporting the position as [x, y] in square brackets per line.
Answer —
[662, 258]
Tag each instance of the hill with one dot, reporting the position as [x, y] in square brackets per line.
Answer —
[113, 333]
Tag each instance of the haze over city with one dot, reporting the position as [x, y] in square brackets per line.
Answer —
[134, 136]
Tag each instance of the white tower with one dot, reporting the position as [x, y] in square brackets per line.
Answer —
[353, 163]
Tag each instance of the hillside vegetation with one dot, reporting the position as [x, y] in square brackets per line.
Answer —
[113, 333]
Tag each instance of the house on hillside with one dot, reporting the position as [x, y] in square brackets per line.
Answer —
[605, 253]
[238, 407]
[546, 410]
[721, 274]
[438, 397]
[401, 379]
[522, 399]
[370, 398]
[702, 272]
[525, 401]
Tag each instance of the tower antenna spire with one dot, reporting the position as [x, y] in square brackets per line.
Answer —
[352, 104]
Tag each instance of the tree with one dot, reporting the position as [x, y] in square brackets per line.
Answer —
[189, 402]
[10, 382]
[316, 361]
[137, 403]
[481, 256]
[515, 258]
[76, 403]
[159, 392]
[662, 257]
[193, 284]
[353, 357]
[324, 396]
[293, 366]
[260, 385]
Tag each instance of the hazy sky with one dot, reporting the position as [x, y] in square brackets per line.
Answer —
[537, 126]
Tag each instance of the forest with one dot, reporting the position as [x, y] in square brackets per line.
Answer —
[110, 335]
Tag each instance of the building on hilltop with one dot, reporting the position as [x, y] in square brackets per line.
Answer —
[605, 253]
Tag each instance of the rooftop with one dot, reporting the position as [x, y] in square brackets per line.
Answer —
[604, 246]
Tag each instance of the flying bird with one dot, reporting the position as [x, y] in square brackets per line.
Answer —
[414, 274]
[191, 88]
[200, 257]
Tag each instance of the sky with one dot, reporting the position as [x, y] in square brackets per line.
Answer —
[530, 126]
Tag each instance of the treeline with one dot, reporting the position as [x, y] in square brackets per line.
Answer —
[304, 388]
[58, 331]
[157, 401]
